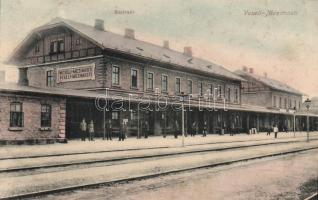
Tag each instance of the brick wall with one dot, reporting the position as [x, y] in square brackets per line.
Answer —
[32, 117]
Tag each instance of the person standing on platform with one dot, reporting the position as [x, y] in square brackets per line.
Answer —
[194, 126]
[146, 129]
[176, 132]
[83, 128]
[91, 130]
[232, 129]
[276, 131]
[269, 131]
[109, 130]
[205, 129]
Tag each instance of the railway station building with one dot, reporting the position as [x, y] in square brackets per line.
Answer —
[87, 72]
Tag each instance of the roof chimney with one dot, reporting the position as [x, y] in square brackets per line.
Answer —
[244, 69]
[130, 33]
[265, 74]
[251, 70]
[2, 76]
[166, 44]
[99, 24]
[187, 51]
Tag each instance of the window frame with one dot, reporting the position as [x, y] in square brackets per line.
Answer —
[188, 86]
[50, 78]
[56, 46]
[179, 85]
[16, 115]
[164, 90]
[236, 95]
[45, 123]
[152, 81]
[229, 94]
[117, 75]
[131, 78]
[200, 87]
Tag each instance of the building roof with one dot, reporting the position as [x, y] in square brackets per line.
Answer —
[69, 93]
[116, 42]
[272, 83]
[50, 91]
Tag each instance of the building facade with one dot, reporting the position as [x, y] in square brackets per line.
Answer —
[140, 84]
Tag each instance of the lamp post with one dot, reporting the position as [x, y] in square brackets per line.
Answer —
[182, 115]
[307, 104]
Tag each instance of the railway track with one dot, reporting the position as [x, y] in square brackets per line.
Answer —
[147, 148]
[142, 177]
[126, 159]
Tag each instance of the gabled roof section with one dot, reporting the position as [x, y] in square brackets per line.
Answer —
[116, 42]
[272, 83]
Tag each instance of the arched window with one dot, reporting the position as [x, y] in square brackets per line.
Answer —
[16, 114]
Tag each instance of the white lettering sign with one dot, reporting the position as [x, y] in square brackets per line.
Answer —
[78, 73]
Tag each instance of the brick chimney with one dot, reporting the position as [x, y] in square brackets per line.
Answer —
[166, 44]
[23, 77]
[187, 51]
[244, 69]
[130, 33]
[99, 24]
[2, 76]
[251, 70]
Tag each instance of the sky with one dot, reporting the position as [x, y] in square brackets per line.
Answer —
[277, 37]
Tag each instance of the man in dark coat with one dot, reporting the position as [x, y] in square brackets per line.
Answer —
[205, 129]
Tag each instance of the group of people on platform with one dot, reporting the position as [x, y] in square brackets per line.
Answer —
[87, 130]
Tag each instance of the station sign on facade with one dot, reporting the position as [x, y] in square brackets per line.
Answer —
[77, 73]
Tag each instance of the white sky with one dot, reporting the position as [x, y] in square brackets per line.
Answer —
[284, 46]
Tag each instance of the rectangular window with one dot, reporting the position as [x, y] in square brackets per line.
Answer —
[61, 46]
[134, 78]
[115, 75]
[229, 94]
[178, 86]
[57, 46]
[46, 115]
[280, 102]
[115, 115]
[16, 114]
[37, 48]
[189, 86]
[219, 91]
[285, 103]
[236, 95]
[211, 88]
[49, 78]
[150, 81]
[290, 103]
[164, 83]
[274, 101]
[200, 86]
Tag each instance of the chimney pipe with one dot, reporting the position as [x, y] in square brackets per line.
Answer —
[251, 70]
[166, 44]
[245, 69]
[187, 51]
[130, 33]
[99, 24]
[265, 74]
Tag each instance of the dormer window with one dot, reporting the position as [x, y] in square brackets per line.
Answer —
[57, 46]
